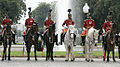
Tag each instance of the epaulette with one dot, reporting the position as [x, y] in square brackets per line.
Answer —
[92, 19]
[85, 19]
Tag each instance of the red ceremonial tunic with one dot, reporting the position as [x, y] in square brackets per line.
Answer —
[47, 23]
[4, 22]
[88, 23]
[67, 23]
[107, 25]
[29, 22]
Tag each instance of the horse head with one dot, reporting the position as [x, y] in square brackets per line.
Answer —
[96, 34]
[114, 28]
[93, 34]
[71, 31]
[8, 30]
[51, 29]
[33, 32]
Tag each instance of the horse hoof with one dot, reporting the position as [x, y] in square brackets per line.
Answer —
[28, 59]
[46, 59]
[92, 60]
[114, 60]
[9, 60]
[52, 59]
[107, 60]
[88, 60]
[103, 59]
[85, 59]
[2, 59]
[72, 60]
[35, 59]
[66, 60]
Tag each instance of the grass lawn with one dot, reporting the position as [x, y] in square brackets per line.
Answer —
[59, 54]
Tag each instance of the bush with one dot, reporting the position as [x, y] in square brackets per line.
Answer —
[39, 45]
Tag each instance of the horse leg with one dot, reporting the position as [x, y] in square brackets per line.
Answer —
[113, 55]
[47, 49]
[4, 52]
[72, 54]
[51, 50]
[87, 53]
[28, 53]
[35, 52]
[67, 53]
[9, 51]
[104, 53]
[91, 53]
[108, 55]
[119, 50]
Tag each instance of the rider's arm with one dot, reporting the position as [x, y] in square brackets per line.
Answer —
[103, 29]
[84, 25]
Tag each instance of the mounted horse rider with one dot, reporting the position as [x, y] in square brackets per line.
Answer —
[48, 21]
[28, 23]
[106, 27]
[66, 24]
[87, 24]
[4, 23]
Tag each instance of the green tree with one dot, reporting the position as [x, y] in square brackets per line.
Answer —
[41, 12]
[99, 10]
[16, 8]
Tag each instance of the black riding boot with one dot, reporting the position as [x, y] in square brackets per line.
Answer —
[14, 38]
[74, 40]
[83, 43]
[0, 39]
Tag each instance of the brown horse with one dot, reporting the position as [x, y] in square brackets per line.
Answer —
[7, 39]
[49, 39]
[110, 42]
[32, 39]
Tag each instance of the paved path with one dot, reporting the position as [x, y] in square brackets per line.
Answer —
[59, 62]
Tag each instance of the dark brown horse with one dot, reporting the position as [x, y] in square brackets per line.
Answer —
[32, 39]
[49, 39]
[7, 40]
[110, 42]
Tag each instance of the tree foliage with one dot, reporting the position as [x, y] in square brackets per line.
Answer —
[41, 12]
[16, 8]
[99, 10]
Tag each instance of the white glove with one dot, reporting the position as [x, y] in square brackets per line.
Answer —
[12, 26]
[84, 28]
[2, 26]
[103, 30]
[65, 26]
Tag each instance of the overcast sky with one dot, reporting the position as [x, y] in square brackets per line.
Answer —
[33, 4]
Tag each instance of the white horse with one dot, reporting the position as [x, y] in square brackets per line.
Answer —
[68, 41]
[90, 41]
